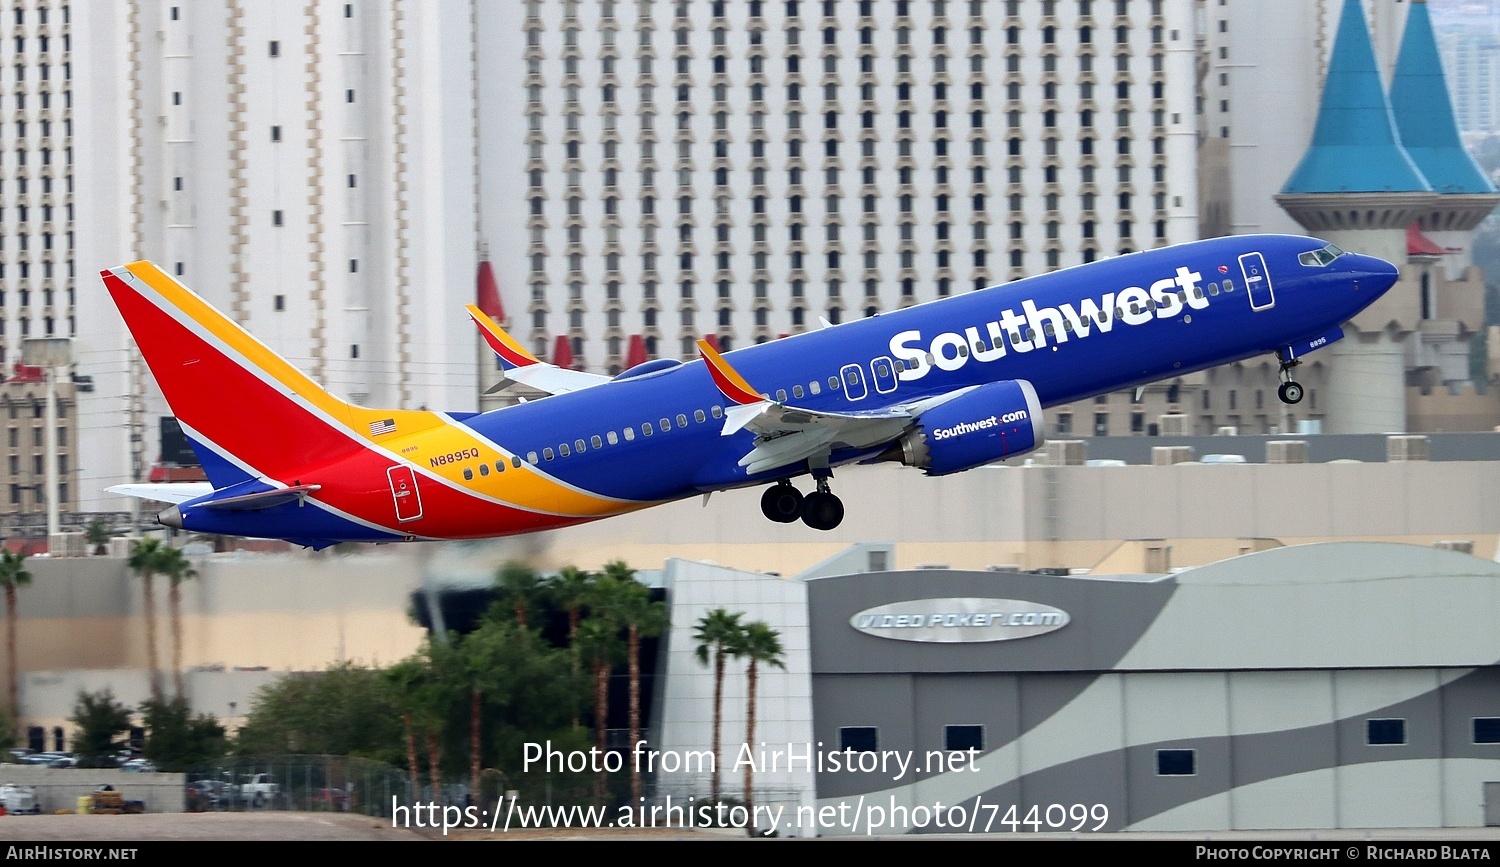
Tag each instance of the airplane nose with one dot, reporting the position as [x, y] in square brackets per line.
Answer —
[1376, 274]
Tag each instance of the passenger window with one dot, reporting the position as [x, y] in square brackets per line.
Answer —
[882, 370]
[699, 416]
[1228, 285]
[718, 411]
[1213, 288]
[500, 465]
[484, 469]
[646, 429]
[611, 438]
[814, 387]
[833, 383]
[629, 434]
[797, 391]
[963, 348]
[563, 450]
[781, 395]
[468, 474]
[1068, 325]
[682, 419]
[578, 446]
[666, 425]
[515, 460]
[548, 454]
[597, 443]
[531, 456]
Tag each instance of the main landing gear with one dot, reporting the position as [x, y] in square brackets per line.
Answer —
[821, 509]
[1290, 390]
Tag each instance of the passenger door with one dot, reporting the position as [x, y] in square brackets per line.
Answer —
[1257, 281]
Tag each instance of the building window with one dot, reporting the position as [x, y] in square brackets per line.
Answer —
[1487, 730]
[275, 218]
[1176, 763]
[275, 48]
[860, 739]
[1385, 731]
[963, 737]
[276, 133]
[280, 302]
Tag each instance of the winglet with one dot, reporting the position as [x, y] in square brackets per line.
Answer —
[512, 354]
[729, 381]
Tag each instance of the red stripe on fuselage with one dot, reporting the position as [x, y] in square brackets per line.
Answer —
[247, 417]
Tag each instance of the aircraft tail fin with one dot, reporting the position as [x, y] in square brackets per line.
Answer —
[247, 411]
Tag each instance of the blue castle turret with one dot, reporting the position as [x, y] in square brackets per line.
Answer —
[1355, 146]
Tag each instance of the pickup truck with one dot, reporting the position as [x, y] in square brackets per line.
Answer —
[258, 790]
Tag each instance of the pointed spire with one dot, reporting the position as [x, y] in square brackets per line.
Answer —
[1355, 147]
[1424, 114]
[487, 294]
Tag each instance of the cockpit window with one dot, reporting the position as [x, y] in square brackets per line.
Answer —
[1319, 258]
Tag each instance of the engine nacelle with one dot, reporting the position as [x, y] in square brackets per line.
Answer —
[990, 423]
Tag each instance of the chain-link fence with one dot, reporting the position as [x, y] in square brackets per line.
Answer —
[317, 783]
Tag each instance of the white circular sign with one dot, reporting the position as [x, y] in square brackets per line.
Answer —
[960, 620]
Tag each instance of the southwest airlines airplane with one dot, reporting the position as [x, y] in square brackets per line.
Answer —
[945, 386]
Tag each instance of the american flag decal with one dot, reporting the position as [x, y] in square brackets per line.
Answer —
[384, 426]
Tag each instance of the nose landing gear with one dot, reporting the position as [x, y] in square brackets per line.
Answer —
[1290, 391]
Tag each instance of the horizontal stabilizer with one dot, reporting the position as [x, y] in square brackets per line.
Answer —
[164, 492]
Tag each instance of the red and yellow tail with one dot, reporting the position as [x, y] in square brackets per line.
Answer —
[248, 412]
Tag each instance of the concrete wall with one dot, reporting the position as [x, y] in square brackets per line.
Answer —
[81, 625]
[1063, 516]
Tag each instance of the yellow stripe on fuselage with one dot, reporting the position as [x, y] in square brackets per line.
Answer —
[419, 437]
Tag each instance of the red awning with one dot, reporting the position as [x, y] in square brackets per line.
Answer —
[562, 352]
[636, 352]
[1418, 244]
[487, 295]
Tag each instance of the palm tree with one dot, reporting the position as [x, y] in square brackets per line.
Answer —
[642, 619]
[759, 643]
[175, 566]
[717, 633]
[12, 575]
[518, 584]
[145, 560]
[599, 642]
[570, 588]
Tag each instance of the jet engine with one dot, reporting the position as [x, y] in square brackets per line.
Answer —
[990, 423]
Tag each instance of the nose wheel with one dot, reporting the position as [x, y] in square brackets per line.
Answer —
[1290, 390]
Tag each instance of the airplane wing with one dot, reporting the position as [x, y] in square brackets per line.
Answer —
[523, 368]
[787, 434]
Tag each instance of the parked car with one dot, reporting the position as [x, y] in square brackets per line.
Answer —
[257, 790]
[208, 795]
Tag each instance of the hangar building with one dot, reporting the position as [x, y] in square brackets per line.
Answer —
[1332, 685]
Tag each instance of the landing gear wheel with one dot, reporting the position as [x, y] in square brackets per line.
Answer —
[822, 510]
[1290, 392]
[781, 503]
